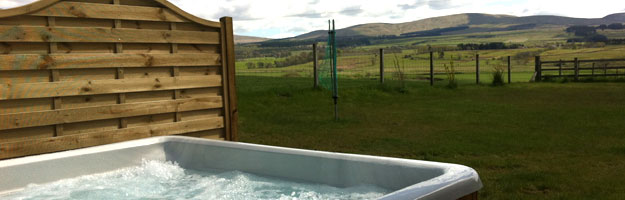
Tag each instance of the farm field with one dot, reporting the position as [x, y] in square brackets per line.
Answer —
[414, 63]
[526, 140]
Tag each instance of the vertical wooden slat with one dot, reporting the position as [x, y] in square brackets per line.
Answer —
[55, 76]
[228, 72]
[121, 98]
[175, 71]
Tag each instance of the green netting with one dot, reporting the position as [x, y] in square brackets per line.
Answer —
[328, 78]
[327, 69]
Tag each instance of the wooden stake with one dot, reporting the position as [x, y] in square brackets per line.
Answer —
[382, 66]
[477, 68]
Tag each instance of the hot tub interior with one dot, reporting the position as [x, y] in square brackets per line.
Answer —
[185, 163]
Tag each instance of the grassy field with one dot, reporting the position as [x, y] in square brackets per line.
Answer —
[526, 140]
[414, 62]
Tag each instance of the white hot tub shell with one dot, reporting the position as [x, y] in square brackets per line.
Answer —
[409, 179]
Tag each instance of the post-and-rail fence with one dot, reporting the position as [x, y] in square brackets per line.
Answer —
[578, 69]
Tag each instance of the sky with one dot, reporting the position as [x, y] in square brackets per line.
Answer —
[288, 18]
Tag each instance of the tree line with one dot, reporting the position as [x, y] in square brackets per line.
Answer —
[297, 59]
[488, 46]
[589, 33]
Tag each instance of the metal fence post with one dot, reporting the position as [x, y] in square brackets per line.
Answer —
[431, 68]
[315, 66]
[477, 68]
[381, 65]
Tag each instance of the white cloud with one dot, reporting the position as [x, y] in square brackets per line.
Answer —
[284, 18]
[4, 4]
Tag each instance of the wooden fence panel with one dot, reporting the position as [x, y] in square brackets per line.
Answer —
[579, 68]
[76, 74]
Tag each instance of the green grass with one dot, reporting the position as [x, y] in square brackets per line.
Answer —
[418, 63]
[526, 140]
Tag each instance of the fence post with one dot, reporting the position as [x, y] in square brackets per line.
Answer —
[381, 65]
[538, 69]
[576, 69]
[477, 68]
[560, 69]
[431, 68]
[509, 71]
[315, 66]
[593, 70]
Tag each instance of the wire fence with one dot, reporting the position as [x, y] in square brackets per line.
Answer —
[468, 66]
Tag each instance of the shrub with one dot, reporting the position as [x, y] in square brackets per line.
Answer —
[451, 75]
[400, 69]
[498, 76]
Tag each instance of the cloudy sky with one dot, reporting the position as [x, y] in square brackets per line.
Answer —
[286, 18]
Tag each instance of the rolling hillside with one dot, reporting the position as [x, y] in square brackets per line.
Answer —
[467, 23]
[239, 39]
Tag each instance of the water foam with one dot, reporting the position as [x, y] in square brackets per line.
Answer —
[167, 180]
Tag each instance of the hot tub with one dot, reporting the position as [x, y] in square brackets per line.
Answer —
[400, 178]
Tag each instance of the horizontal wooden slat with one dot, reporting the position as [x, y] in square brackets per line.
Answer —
[53, 144]
[24, 21]
[108, 60]
[557, 62]
[22, 134]
[582, 61]
[43, 118]
[598, 68]
[104, 11]
[215, 134]
[78, 88]
[42, 4]
[602, 60]
[105, 35]
[583, 75]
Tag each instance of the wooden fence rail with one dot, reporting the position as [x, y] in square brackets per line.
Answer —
[598, 68]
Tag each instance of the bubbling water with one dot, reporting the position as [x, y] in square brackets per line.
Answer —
[167, 180]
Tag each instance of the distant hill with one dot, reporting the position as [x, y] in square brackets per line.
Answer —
[462, 23]
[240, 39]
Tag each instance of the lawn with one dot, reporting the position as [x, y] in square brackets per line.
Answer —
[526, 140]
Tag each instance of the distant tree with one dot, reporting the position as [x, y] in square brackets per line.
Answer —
[582, 30]
[260, 65]
[488, 46]
[603, 27]
[597, 38]
[616, 26]
[250, 65]
[441, 54]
